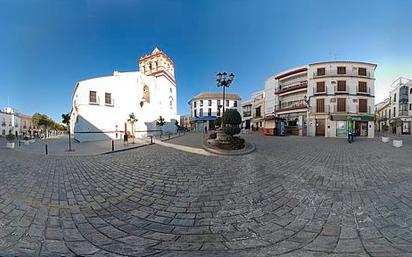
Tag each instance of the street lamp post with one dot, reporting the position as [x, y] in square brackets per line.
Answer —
[224, 82]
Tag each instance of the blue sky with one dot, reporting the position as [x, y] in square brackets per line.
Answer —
[46, 46]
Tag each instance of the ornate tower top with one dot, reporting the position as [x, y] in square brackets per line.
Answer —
[157, 64]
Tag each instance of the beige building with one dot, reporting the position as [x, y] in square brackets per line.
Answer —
[320, 99]
[382, 112]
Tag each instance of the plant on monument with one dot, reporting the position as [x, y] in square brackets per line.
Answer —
[230, 127]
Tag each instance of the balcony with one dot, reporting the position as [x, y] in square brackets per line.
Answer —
[340, 91]
[334, 73]
[286, 88]
[291, 106]
[367, 92]
[247, 114]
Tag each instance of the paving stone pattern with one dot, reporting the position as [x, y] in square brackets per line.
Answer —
[292, 197]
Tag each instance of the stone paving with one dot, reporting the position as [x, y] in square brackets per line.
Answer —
[59, 146]
[291, 197]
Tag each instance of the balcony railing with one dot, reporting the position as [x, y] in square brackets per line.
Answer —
[334, 73]
[247, 114]
[292, 106]
[337, 91]
[368, 91]
[284, 89]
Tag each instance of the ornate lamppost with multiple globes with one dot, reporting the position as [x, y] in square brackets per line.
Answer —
[224, 82]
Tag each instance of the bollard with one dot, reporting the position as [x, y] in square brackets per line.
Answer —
[112, 145]
[47, 152]
[151, 139]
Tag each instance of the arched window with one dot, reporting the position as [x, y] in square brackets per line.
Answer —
[146, 94]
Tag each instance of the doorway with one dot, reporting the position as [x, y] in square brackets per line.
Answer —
[320, 127]
[361, 128]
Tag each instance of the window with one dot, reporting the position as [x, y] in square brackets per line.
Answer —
[146, 94]
[389, 114]
[362, 87]
[363, 105]
[195, 113]
[394, 112]
[209, 112]
[341, 70]
[341, 85]
[235, 104]
[201, 112]
[218, 103]
[201, 102]
[320, 72]
[108, 98]
[209, 102]
[257, 112]
[320, 105]
[362, 71]
[341, 105]
[410, 91]
[194, 104]
[394, 97]
[320, 87]
[171, 91]
[227, 102]
[92, 97]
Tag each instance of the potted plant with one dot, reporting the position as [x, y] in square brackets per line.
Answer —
[160, 123]
[385, 129]
[132, 120]
[10, 140]
[26, 140]
[397, 123]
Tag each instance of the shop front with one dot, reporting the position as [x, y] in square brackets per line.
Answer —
[363, 125]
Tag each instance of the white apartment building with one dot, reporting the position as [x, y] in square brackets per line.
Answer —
[101, 106]
[400, 104]
[207, 106]
[320, 99]
[10, 122]
[246, 113]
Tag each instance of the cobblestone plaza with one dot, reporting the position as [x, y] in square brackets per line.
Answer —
[293, 196]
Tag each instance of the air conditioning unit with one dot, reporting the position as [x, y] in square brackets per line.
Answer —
[333, 100]
[355, 100]
[333, 82]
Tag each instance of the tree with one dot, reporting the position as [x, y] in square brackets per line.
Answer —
[132, 119]
[160, 123]
[66, 120]
[231, 120]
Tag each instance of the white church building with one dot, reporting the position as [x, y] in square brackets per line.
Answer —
[102, 106]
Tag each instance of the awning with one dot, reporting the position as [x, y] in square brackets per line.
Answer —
[204, 118]
[353, 117]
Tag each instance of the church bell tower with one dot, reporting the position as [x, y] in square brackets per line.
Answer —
[157, 64]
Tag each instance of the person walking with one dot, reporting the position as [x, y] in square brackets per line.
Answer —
[350, 131]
